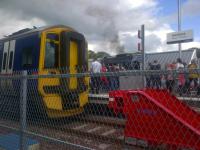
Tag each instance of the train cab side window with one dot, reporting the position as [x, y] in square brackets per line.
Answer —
[27, 57]
[4, 60]
[51, 51]
[10, 60]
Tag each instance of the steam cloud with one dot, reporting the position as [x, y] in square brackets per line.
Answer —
[107, 25]
[110, 32]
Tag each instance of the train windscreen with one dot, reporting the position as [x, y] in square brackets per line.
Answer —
[52, 51]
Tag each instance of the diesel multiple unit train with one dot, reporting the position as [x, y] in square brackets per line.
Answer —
[49, 50]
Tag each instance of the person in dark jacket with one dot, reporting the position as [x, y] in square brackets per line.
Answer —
[149, 77]
[156, 80]
[113, 78]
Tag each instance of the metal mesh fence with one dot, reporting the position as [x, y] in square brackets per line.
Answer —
[125, 109]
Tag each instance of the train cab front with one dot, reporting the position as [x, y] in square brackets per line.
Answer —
[63, 51]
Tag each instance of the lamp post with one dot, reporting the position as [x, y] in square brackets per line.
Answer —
[141, 46]
[141, 35]
[179, 25]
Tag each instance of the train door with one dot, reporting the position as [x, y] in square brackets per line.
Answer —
[5, 57]
[7, 62]
[8, 57]
[11, 57]
[49, 64]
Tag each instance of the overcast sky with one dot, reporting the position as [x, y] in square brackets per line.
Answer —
[108, 25]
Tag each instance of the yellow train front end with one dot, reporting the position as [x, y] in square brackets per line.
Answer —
[63, 51]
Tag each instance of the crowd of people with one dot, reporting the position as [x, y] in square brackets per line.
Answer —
[174, 79]
[101, 82]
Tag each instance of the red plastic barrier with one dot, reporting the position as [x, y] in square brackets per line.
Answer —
[158, 117]
[116, 101]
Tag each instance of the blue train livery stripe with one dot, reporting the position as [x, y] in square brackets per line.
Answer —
[31, 43]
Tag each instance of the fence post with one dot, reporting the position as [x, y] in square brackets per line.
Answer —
[23, 104]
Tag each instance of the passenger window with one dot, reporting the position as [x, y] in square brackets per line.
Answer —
[27, 58]
[4, 60]
[10, 60]
[51, 51]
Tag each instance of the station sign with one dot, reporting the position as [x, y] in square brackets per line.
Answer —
[180, 37]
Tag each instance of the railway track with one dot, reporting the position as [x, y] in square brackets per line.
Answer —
[112, 121]
[96, 132]
[99, 132]
[88, 134]
[106, 130]
[104, 136]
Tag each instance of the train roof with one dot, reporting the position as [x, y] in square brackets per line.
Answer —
[29, 31]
